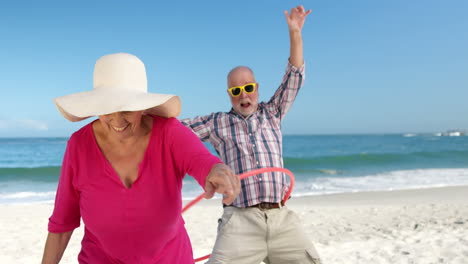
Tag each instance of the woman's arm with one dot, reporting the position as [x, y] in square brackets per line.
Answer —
[55, 246]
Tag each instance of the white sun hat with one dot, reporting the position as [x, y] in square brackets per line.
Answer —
[119, 85]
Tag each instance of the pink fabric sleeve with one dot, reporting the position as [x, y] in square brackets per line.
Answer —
[66, 215]
[191, 155]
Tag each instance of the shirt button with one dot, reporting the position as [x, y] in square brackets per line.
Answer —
[257, 162]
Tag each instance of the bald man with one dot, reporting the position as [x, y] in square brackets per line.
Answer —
[257, 227]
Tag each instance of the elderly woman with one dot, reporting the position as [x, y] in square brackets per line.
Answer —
[122, 173]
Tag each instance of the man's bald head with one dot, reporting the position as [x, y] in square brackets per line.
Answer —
[239, 72]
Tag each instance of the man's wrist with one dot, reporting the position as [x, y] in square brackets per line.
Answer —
[295, 31]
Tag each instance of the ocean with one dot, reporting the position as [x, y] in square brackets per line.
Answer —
[30, 167]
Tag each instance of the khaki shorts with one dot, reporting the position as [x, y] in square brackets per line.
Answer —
[253, 235]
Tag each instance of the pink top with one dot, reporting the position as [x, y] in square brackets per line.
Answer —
[142, 224]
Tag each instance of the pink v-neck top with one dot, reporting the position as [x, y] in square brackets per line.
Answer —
[141, 224]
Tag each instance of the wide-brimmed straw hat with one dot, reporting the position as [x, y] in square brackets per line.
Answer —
[119, 85]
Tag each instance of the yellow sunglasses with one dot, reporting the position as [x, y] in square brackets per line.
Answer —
[237, 90]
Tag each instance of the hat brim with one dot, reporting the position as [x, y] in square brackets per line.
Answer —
[79, 106]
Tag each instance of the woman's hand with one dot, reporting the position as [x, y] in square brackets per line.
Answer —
[222, 179]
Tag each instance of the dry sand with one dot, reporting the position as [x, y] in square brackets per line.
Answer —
[411, 226]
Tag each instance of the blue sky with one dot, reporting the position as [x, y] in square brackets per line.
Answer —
[372, 66]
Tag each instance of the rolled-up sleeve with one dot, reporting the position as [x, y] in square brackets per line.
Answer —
[66, 214]
[284, 97]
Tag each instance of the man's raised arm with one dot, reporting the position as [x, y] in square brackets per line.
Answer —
[295, 23]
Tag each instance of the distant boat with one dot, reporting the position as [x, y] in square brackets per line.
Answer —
[409, 135]
[453, 133]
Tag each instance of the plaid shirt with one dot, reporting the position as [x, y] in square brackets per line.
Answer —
[253, 142]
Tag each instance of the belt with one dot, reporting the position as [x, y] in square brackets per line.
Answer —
[264, 205]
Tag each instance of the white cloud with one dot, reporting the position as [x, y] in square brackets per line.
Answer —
[12, 125]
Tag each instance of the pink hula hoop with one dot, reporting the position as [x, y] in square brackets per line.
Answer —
[242, 176]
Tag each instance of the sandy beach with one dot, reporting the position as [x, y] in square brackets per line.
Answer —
[411, 226]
